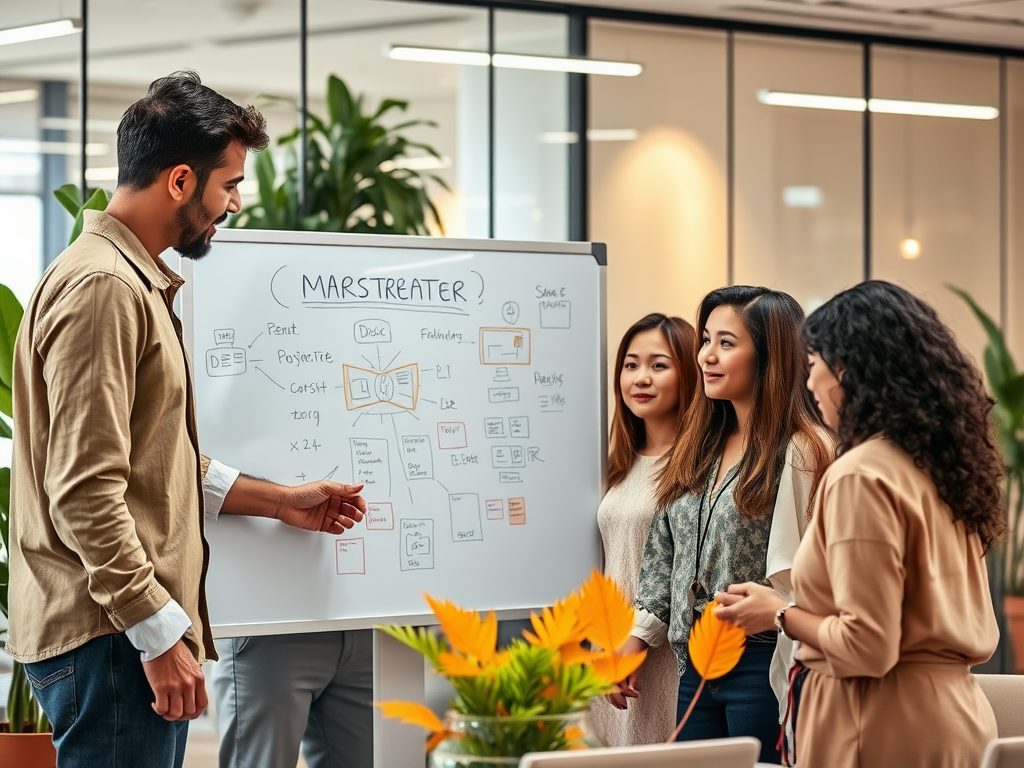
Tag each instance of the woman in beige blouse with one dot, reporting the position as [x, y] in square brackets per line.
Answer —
[891, 594]
[657, 377]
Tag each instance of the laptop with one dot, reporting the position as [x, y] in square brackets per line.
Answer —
[739, 752]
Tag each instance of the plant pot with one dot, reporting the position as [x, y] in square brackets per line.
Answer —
[27, 750]
[484, 742]
[1013, 607]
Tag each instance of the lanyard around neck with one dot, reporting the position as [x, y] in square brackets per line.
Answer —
[701, 538]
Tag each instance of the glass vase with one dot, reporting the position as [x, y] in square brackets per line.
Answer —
[484, 742]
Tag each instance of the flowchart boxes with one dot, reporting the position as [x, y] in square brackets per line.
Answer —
[351, 555]
[451, 434]
[465, 512]
[505, 346]
[416, 538]
[517, 511]
[417, 459]
[495, 509]
[370, 465]
[380, 516]
[507, 456]
[556, 314]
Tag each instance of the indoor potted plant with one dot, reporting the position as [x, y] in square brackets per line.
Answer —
[25, 739]
[1006, 570]
[357, 174]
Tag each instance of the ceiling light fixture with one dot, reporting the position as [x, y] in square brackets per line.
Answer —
[880, 106]
[514, 61]
[593, 134]
[18, 97]
[38, 31]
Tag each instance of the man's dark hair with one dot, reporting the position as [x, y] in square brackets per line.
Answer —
[181, 121]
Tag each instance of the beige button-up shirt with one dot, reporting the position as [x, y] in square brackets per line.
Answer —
[106, 497]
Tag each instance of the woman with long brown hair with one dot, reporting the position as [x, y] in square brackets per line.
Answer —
[656, 377]
[891, 604]
[734, 497]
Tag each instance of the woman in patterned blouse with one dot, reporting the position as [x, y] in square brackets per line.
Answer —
[734, 498]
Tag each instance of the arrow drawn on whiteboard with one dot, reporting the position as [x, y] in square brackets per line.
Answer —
[254, 340]
[272, 279]
[481, 296]
[331, 474]
[388, 366]
[265, 374]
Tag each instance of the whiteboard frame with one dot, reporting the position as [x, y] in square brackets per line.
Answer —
[406, 242]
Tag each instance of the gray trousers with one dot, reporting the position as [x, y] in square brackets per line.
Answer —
[276, 691]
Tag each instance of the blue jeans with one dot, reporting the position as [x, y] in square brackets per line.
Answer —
[740, 703]
[99, 702]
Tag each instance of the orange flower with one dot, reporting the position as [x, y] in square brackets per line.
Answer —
[605, 612]
[416, 714]
[465, 630]
[715, 645]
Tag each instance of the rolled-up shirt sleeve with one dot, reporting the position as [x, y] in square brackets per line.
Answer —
[153, 636]
[217, 481]
[654, 590]
[864, 552]
[90, 351]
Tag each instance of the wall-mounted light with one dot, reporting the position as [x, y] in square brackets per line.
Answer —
[910, 248]
[18, 97]
[513, 61]
[38, 31]
[802, 197]
[880, 106]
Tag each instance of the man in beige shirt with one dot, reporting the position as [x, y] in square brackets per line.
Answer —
[108, 558]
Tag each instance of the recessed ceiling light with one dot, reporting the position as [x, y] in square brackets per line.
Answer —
[513, 61]
[37, 31]
[880, 106]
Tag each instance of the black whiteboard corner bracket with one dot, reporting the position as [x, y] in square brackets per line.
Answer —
[600, 253]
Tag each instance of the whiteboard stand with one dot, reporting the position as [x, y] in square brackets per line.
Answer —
[397, 676]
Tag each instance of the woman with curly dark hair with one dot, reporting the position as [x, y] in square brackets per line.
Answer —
[891, 593]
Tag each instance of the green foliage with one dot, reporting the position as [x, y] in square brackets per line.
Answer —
[70, 197]
[23, 711]
[354, 178]
[1007, 386]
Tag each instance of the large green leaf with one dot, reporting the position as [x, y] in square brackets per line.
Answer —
[97, 202]
[1001, 354]
[70, 196]
[5, 429]
[5, 506]
[10, 318]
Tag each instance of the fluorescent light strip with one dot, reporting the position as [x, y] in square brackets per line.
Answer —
[880, 106]
[37, 32]
[35, 147]
[18, 97]
[593, 134]
[514, 61]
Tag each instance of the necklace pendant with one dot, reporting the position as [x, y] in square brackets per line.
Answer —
[691, 593]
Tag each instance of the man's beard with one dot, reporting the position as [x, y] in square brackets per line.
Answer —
[193, 242]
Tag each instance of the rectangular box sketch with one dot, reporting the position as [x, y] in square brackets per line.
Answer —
[225, 361]
[417, 544]
[370, 465]
[556, 314]
[465, 511]
[372, 331]
[417, 458]
[517, 511]
[380, 516]
[494, 427]
[551, 403]
[509, 477]
[506, 456]
[503, 394]
[519, 426]
[451, 434]
[495, 509]
[505, 346]
[365, 387]
[351, 555]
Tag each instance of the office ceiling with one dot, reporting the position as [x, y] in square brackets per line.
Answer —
[250, 45]
[984, 22]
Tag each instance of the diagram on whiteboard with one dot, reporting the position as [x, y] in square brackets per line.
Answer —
[458, 396]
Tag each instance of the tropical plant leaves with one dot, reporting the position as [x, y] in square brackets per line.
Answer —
[11, 313]
[466, 632]
[715, 646]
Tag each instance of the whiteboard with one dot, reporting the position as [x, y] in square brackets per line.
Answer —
[461, 381]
